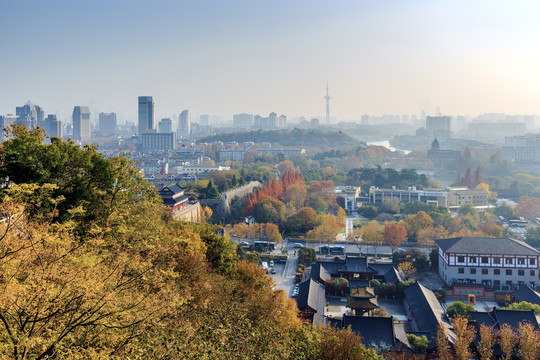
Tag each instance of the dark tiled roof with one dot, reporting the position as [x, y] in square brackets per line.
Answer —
[356, 265]
[324, 270]
[356, 283]
[485, 245]
[172, 202]
[373, 329]
[388, 271]
[483, 318]
[312, 294]
[525, 293]
[514, 317]
[426, 310]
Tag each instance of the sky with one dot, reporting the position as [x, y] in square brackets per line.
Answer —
[225, 57]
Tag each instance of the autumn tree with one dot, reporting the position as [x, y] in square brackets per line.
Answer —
[428, 235]
[302, 221]
[507, 340]
[285, 166]
[343, 344]
[487, 341]
[528, 207]
[393, 235]
[270, 210]
[327, 231]
[417, 222]
[296, 195]
[325, 190]
[529, 348]
[468, 180]
[441, 339]
[407, 268]
[341, 215]
[464, 336]
[372, 234]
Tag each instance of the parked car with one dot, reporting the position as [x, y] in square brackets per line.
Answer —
[273, 271]
[298, 245]
[271, 263]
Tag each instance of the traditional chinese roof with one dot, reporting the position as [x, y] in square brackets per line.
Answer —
[362, 297]
[525, 293]
[376, 330]
[356, 265]
[485, 245]
[312, 294]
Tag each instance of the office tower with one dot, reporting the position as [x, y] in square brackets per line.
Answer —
[327, 98]
[81, 123]
[107, 124]
[53, 126]
[27, 115]
[243, 120]
[40, 116]
[5, 122]
[166, 125]
[204, 120]
[184, 124]
[146, 114]
[154, 141]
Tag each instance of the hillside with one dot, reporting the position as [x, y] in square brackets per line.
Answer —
[290, 137]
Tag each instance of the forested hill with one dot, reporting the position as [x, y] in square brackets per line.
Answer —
[290, 137]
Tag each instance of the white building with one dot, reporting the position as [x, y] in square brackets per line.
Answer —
[81, 123]
[184, 124]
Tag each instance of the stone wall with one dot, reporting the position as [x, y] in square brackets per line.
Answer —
[222, 207]
[190, 214]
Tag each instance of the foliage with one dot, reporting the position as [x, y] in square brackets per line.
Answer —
[529, 348]
[434, 259]
[428, 235]
[337, 287]
[386, 178]
[417, 222]
[533, 236]
[318, 204]
[524, 305]
[306, 257]
[418, 343]
[381, 311]
[327, 231]
[464, 336]
[434, 211]
[441, 339]
[270, 210]
[407, 268]
[325, 191]
[343, 344]
[302, 221]
[507, 340]
[487, 341]
[459, 309]
[504, 210]
[368, 211]
[390, 206]
[393, 235]
[528, 207]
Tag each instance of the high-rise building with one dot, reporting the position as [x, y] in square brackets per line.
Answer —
[184, 124]
[438, 126]
[154, 141]
[81, 123]
[6, 121]
[204, 120]
[28, 115]
[107, 124]
[243, 120]
[166, 125]
[53, 126]
[146, 114]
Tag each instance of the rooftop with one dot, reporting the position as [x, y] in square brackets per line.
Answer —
[485, 245]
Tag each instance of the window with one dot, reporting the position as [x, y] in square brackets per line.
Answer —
[508, 272]
[508, 261]
[484, 271]
[473, 270]
[496, 271]
[496, 260]
[472, 259]
[509, 283]
[461, 259]
[532, 261]
[461, 270]
[485, 260]
[521, 261]
[533, 273]
[521, 272]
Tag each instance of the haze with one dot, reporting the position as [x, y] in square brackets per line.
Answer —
[225, 57]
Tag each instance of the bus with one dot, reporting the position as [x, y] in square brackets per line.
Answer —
[267, 245]
[518, 223]
[332, 250]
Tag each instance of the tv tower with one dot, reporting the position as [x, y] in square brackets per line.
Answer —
[327, 98]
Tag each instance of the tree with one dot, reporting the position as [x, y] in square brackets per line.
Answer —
[367, 211]
[442, 343]
[428, 235]
[341, 215]
[417, 222]
[270, 210]
[394, 235]
[372, 234]
[418, 343]
[528, 207]
[267, 231]
[459, 309]
[285, 166]
[524, 305]
[318, 204]
[296, 194]
[302, 221]
[390, 206]
[464, 336]
[504, 210]
[325, 190]
[487, 341]
[528, 342]
[211, 191]
[468, 179]
[478, 178]
[327, 231]
[407, 268]
[507, 340]
[342, 344]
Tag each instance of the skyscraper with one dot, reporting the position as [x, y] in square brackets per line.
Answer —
[184, 124]
[327, 98]
[81, 123]
[166, 125]
[204, 120]
[27, 115]
[107, 124]
[146, 114]
[53, 126]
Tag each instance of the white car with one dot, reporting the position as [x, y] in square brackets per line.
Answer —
[298, 245]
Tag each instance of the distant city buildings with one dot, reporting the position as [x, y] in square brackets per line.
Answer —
[438, 126]
[151, 140]
[522, 149]
[244, 121]
[184, 124]
[166, 125]
[237, 153]
[30, 115]
[5, 122]
[443, 159]
[146, 114]
[204, 120]
[272, 121]
[107, 124]
[53, 126]
[81, 123]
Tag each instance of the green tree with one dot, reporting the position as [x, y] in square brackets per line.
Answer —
[270, 210]
[211, 191]
[302, 221]
[318, 204]
[418, 343]
[459, 309]
[524, 305]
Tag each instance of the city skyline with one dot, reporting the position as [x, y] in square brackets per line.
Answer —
[229, 58]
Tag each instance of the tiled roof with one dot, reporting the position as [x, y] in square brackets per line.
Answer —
[525, 293]
[312, 294]
[485, 245]
[356, 265]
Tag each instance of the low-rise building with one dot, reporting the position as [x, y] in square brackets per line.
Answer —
[458, 196]
[347, 197]
[490, 262]
[437, 197]
[199, 169]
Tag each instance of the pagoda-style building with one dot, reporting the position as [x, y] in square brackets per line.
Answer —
[362, 299]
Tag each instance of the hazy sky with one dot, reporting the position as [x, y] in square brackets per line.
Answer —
[226, 56]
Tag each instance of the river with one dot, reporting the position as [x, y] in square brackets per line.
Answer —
[387, 145]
